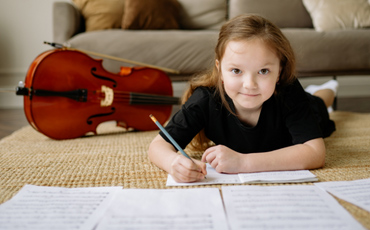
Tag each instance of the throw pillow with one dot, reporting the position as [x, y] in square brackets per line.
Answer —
[151, 14]
[101, 14]
[203, 14]
[338, 14]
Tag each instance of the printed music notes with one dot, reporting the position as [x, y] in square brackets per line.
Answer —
[166, 209]
[239, 207]
[356, 192]
[38, 208]
[284, 207]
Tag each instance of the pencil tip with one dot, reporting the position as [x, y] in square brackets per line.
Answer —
[153, 118]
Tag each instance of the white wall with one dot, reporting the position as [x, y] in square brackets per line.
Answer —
[24, 26]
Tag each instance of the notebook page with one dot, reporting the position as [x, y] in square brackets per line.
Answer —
[213, 177]
[278, 177]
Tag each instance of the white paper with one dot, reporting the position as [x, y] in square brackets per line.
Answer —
[213, 177]
[284, 207]
[163, 209]
[356, 192]
[278, 177]
[39, 207]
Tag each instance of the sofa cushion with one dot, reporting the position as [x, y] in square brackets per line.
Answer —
[333, 14]
[338, 51]
[149, 14]
[101, 14]
[204, 14]
[183, 50]
[284, 13]
[193, 51]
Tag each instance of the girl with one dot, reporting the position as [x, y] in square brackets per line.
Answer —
[249, 113]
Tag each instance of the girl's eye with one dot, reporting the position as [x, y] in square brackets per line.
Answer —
[236, 71]
[264, 71]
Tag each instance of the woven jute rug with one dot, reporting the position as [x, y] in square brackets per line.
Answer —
[119, 158]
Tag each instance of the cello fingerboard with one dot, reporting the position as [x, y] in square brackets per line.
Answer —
[151, 99]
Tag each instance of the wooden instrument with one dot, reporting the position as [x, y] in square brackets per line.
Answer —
[68, 94]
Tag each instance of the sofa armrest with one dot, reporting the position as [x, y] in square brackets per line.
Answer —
[67, 21]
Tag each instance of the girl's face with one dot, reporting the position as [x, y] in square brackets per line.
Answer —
[250, 71]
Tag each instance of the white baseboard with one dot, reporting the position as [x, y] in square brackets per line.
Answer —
[349, 86]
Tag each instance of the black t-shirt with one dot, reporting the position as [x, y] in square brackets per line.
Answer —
[292, 117]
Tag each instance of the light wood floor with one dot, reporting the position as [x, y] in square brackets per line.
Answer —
[14, 119]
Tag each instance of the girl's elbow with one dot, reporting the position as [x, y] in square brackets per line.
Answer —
[318, 161]
[317, 152]
[322, 159]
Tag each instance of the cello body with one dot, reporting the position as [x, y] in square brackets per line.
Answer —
[67, 94]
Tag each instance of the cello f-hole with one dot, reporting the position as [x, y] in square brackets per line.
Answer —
[89, 120]
[93, 69]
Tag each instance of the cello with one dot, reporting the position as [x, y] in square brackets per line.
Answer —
[67, 94]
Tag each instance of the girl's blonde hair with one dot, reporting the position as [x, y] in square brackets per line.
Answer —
[243, 28]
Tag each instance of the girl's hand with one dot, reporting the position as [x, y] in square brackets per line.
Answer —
[184, 170]
[223, 159]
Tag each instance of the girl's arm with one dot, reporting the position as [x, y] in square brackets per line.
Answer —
[309, 155]
[182, 169]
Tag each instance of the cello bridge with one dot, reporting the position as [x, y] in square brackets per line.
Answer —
[108, 98]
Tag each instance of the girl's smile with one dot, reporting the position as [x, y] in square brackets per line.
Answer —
[249, 95]
[250, 71]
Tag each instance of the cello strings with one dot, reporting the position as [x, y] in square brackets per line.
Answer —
[142, 98]
[132, 98]
[145, 97]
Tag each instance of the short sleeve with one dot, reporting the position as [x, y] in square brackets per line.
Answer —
[190, 120]
[299, 117]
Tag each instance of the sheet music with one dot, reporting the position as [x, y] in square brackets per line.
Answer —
[356, 192]
[163, 209]
[284, 207]
[39, 207]
[213, 177]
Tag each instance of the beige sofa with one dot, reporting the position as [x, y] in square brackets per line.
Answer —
[324, 47]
